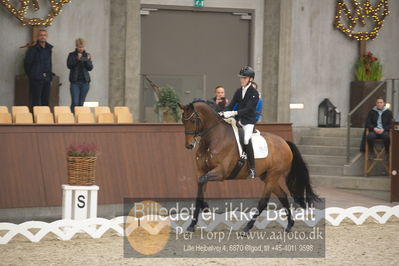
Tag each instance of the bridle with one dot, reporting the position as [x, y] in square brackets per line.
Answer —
[197, 120]
[199, 125]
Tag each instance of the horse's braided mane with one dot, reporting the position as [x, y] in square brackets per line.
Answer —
[211, 104]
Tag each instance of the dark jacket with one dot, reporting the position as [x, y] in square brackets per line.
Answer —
[386, 119]
[38, 63]
[247, 106]
[75, 65]
[371, 123]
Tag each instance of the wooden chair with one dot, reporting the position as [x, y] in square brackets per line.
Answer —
[61, 110]
[65, 118]
[23, 118]
[379, 150]
[41, 110]
[3, 109]
[124, 118]
[82, 110]
[85, 118]
[101, 110]
[121, 109]
[5, 118]
[106, 118]
[44, 118]
[19, 109]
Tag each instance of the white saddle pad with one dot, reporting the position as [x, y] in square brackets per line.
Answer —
[258, 142]
[260, 146]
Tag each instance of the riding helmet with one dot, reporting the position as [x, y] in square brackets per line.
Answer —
[247, 71]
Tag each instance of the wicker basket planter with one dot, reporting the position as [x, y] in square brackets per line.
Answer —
[81, 170]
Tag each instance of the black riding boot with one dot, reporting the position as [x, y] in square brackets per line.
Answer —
[251, 159]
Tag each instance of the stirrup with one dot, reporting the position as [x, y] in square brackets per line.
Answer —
[251, 174]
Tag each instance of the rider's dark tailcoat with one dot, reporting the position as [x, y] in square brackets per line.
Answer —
[247, 106]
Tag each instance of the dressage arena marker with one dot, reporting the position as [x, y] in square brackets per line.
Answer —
[79, 202]
[97, 227]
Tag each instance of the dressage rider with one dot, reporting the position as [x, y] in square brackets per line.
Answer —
[246, 99]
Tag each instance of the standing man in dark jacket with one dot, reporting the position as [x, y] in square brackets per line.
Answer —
[379, 123]
[246, 98]
[79, 62]
[38, 67]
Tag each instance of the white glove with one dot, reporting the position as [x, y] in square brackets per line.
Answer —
[228, 114]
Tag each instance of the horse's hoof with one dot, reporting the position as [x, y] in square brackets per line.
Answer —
[205, 207]
[289, 226]
[191, 229]
[243, 233]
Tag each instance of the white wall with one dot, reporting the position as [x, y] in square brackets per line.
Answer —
[88, 19]
[323, 57]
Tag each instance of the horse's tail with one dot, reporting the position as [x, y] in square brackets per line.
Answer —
[298, 180]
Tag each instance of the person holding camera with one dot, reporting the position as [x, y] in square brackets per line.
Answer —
[79, 62]
[220, 99]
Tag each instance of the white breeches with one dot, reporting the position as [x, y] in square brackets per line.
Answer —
[248, 130]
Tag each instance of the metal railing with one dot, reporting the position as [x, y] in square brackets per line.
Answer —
[393, 92]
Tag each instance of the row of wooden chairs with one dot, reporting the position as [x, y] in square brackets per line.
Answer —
[63, 115]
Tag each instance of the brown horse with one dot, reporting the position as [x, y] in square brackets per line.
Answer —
[218, 154]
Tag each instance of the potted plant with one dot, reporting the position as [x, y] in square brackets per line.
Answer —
[81, 162]
[168, 105]
[368, 68]
[368, 74]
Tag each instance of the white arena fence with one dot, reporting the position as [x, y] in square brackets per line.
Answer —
[97, 227]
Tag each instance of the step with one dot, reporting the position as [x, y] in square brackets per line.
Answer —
[329, 141]
[336, 132]
[326, 150]
[382, 183]
[325, 159]
[328, 170]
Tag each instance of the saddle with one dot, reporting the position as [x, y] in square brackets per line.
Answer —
[258, 142]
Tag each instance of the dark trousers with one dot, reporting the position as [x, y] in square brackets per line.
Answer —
[79, 92]
[40, 91]
[372, 136]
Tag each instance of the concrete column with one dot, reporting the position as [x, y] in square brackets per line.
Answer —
[277, 60]
[270, 59]
[285, 65]
[117, 53]
[125, 55]
[133, 57]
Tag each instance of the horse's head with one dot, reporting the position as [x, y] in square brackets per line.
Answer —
[198, 119]
[192, 124]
